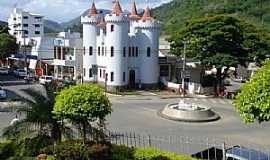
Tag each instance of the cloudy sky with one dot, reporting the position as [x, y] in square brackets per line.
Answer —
[64, 10]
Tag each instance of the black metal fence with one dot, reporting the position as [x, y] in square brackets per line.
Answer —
[197, 147]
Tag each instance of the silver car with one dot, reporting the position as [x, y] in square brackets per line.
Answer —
[3, 93]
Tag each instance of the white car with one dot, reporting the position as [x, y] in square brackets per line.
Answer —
[45, 79]
[4, 71]
[3, 94]
[20, 73]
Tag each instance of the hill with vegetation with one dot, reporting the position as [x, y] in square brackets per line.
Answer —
[173, 15]
[3, 24]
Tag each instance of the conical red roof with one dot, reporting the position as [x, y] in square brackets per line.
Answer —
[102, 22]
[147, 14]
[134, 13]
[93, 10]
[117, 8]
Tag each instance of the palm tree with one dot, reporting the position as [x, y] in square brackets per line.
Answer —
[39, 119]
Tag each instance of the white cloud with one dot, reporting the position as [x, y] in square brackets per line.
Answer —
[64, 10]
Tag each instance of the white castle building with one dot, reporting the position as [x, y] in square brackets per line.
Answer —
[121, 50]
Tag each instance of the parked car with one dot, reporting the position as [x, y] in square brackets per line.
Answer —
[45, 79]
[242, 153]
[3, 93]
[20, 73]
[4, 71]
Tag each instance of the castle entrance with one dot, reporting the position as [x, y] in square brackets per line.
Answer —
[132, 83]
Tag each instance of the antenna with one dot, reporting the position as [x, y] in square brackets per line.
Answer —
[147, 3]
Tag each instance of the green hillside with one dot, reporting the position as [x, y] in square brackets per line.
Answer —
[174, 14]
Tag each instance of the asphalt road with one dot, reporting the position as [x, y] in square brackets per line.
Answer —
[139, 114]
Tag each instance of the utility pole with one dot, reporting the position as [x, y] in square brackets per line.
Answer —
[184, 69]
[24, 48]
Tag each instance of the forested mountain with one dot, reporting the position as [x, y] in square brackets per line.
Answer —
[2, 23]
[176, 13]
[52, 26]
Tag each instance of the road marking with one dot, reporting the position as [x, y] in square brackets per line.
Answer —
[149, 109]
[213, 101]
[222, 101]
[154, 94]
[117, 101]
[196, 99]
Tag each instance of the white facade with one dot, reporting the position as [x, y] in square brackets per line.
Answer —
[24, 24]
[67, 53]
[123, 47]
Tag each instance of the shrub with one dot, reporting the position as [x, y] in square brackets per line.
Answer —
[22, 158]
[98, 152]
[7, 150]
[122, 152]
[156, 154]
[76, 150]
[32, 146]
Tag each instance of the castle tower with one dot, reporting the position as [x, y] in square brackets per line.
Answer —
[116, 42]
[148, 32]
[89, 43]
[134, 17]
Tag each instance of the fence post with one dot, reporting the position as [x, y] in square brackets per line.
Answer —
[116, 136]
[208, 148]
[149, 140]
[127, 139]
[135, 139]
[143, 141]
[131, 143]
[223, 151]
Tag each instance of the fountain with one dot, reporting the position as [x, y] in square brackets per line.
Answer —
[188, 112]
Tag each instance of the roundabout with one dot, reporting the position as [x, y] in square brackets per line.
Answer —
[188, 112]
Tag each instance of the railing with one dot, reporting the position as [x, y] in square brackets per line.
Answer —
[200, 147]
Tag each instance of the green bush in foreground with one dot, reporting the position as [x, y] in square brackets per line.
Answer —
[253, 100]
[156, 154]
[79, 151]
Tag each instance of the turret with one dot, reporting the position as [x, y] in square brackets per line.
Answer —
[90, 30]
[134, 17]
[148, 35]
[117, 25]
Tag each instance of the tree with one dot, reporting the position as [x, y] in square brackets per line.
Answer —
[253, 101]
[82, 104]
[7, 45]
[221, 41]
[39, 117]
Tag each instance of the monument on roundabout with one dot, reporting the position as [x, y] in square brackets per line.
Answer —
[188, 112]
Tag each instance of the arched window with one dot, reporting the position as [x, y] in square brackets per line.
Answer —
[112, 77]
[98, 50]
[90, 73]
[148, 52]
[112, 28]
[90, 50]
[137, 51]
[133, 51]
[124, 52]
[112, 51]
